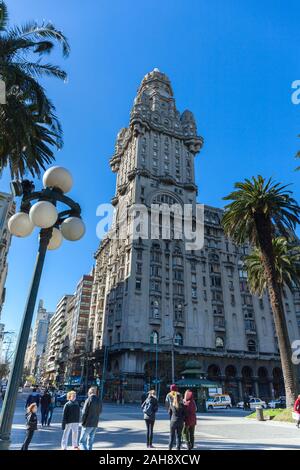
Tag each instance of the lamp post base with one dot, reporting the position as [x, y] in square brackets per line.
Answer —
[5, 443]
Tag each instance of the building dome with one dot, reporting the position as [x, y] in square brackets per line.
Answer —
[193, 364]
[156, 81]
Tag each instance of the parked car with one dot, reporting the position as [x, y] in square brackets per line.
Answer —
[62, 399]
[253, 402]
[219, 402]
[277, 403]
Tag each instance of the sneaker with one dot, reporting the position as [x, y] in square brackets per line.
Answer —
[76, 448]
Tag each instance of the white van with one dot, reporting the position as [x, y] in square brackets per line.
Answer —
[219, 402]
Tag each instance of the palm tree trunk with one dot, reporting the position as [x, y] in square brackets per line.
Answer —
[264, 231]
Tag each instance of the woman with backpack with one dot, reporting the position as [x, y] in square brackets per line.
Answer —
[190, 419]
[150, 407]
[178, 413]
[31, 425]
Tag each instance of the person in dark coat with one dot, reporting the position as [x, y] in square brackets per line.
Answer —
[177, 412]
[70, 421]
[190, 420]
[51, 408]
[90, 417]
[34, 397]
[150, 407]
[31, 425]
[45, 405]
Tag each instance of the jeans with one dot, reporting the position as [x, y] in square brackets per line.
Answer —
[50, 413]
[175, 433]
[44, 416]
[87, 438]
[29, 435]
[70, 427]
[150, 426]
[189, 435]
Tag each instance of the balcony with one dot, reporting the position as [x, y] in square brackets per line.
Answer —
[219, 324]
[179, 322]
[114, 200]
[122, 188]
[154, 320]
[250, 327]
[131, 174]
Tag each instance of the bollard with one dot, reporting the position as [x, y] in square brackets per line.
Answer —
[259, 413]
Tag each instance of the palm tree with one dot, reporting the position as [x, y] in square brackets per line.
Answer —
[29, 128]
[287, 265]
[261, 209]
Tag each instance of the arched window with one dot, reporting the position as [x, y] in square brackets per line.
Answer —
[251, 345]
[154, 337]
[219, 342]
[178, 340]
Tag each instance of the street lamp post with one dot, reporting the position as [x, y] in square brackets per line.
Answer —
[54, 227]
[172, 354]
[156, 364]
[104, 367]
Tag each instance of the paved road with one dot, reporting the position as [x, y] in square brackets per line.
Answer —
[122, 427]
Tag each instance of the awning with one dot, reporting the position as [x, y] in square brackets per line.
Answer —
[196, 383]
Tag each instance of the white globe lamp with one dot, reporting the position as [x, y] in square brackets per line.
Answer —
[58, 177]
[55, 240]
[20, 225]
[73, 229]
[43, 214]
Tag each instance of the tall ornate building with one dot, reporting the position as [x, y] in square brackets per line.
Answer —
[153, 295]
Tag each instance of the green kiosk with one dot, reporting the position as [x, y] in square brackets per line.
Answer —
[194, 379]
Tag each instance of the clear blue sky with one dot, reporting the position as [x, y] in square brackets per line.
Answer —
[230, 62]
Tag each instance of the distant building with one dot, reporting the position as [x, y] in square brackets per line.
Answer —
[38, 340]
[79, 327]
[7, 209]
[56, 335]
[68, 338]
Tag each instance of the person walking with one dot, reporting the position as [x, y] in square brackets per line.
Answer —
[70, 421]
[150, 407]
[33, 397]
[177, 413]
[169, 397]
[90, 417]
[51, 408]
[190, 419]
[297, 410]
[45, 404]
[31, 425]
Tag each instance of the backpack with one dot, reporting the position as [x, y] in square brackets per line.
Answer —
[147, 407]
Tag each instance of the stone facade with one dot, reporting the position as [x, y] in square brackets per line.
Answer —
[155, 290]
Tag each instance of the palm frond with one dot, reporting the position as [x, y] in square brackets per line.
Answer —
[35, 32]
[287, 266]
[3, 16]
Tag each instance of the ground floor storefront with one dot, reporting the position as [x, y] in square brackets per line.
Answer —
[130, 373]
